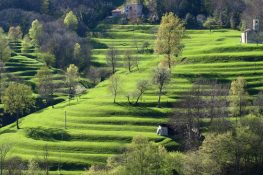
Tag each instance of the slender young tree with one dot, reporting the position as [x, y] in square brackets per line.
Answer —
[72, 79]
[169, 37]
[5, 51]
[112, 58]
[17, 99]
[35, 31]
[238, 97]
[161, 78]
[45, 84]
[4, 149]
[115, 86]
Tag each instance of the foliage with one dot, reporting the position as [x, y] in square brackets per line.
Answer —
[35, 31]
[26, 44]
[5, 51]
[45, 84]
[238, 97]
[71, 20]
[15, 33]
[210, 23]
[18, 99]
[72, 79]
[169, 37]
[141, 157]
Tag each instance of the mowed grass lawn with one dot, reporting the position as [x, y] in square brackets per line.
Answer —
[97, 128]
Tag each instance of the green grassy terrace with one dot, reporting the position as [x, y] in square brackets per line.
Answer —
[97, 128]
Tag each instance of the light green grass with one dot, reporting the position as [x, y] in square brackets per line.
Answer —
[97, 128]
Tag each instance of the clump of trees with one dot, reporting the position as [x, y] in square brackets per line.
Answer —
[141, 157]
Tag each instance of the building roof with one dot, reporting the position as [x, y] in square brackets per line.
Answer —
[116, 11]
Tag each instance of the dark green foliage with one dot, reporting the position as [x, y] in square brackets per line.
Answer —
[47, 134]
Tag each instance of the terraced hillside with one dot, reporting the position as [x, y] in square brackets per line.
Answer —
[24, 67]
[96, 128]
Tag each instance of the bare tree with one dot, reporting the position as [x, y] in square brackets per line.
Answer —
[15, 166]
[258, 103]
[161, 78]
[45, 159]
[129, 61]
[112, 58]
[115, 86]
[94, 74]
[4, 149]
[141, 87]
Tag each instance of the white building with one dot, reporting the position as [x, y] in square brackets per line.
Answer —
[252, 35]
[116, 13]
[163, 130]
[133, 11]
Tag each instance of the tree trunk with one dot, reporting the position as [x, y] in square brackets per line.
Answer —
[169, 61]
[17, 121]
[159, 98]
[114, 101]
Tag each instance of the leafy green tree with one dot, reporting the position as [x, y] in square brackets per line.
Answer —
[5, 51]
[142, 157]
[35, 31]
[48, 58]
[161, 78]
[77, 51]
[15, 33]
[71, 20]
[72, 79]
[169, 37]
[238, 97]
[210, 23]
[26, 44]
[45, 84]
[17, 99]
[45, 6]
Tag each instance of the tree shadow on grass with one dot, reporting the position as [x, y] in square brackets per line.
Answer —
[48, 134]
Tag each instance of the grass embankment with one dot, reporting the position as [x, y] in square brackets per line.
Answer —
[23, 66]
[97, 128]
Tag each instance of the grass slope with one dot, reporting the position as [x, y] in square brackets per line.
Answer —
[97, 128]
[24, 66]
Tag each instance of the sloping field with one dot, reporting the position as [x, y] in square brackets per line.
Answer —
[96, 128]
[24, 66]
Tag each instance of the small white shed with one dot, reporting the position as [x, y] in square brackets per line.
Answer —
[163, 130]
